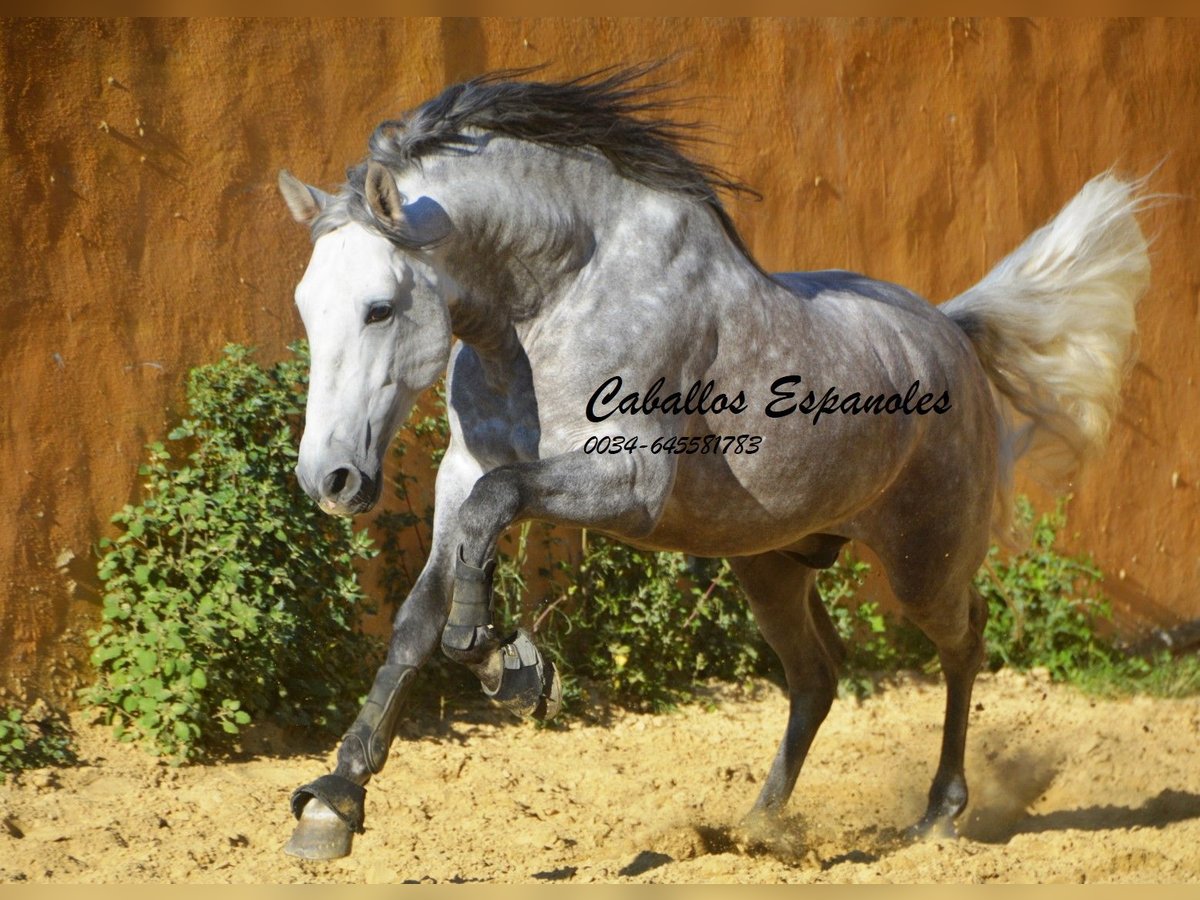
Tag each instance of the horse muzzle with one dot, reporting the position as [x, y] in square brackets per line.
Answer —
[344, 490]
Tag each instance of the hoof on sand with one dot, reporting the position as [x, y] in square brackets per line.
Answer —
[320, 834]
[938, 829]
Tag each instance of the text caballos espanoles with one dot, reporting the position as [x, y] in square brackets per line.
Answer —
[787, 398]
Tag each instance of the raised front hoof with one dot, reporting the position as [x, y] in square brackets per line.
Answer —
[330, 812]
[320, 834]
[529, 684]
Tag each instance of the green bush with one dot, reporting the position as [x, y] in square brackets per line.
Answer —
[645, 627]
[32, 739]
[1045, 608]
[1161, 674]
[228, 596]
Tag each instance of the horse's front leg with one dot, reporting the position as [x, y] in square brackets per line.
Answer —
[620, 495]
[331, 808]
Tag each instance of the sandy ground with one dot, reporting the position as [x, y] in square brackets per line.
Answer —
[1065, 787]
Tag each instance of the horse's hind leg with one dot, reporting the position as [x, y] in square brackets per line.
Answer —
[959, 641]
[784, 599]
[935, 590]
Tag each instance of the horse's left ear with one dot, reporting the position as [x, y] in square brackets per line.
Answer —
[421, 223]
[304, 200]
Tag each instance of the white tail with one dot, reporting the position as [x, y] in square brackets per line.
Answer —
[1054, 323]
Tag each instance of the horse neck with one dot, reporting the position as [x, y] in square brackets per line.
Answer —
[531, 220]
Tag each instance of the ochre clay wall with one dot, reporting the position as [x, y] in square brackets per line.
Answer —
[144, 231]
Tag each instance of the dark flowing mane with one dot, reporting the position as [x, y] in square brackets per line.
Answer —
[603, 110]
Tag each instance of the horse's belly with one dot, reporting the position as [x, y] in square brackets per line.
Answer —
[799, 483]
[722, 507]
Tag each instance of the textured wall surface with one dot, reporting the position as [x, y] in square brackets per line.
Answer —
[144, 231]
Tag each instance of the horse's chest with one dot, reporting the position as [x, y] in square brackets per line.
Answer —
[497, 439]
[496, 408]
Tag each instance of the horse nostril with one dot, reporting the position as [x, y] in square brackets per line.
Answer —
[335, 482]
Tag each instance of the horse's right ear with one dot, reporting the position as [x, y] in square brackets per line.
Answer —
[384, 199]
[305, 201]
[420, 223]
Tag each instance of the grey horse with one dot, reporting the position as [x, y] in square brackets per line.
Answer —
[617, 361]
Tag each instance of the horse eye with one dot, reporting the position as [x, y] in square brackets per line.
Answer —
[379, 312]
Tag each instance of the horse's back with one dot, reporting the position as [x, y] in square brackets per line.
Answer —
[884, 313]
[830, 283]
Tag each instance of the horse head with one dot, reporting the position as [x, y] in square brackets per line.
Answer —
[378, 330]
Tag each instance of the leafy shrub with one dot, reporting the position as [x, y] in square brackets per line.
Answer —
[228, 596]
[641, 629]
[1161, 674]
[32, 739]
[1047, 610]
[1044, 608]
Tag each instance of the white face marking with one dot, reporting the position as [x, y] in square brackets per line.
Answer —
[378, 334]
